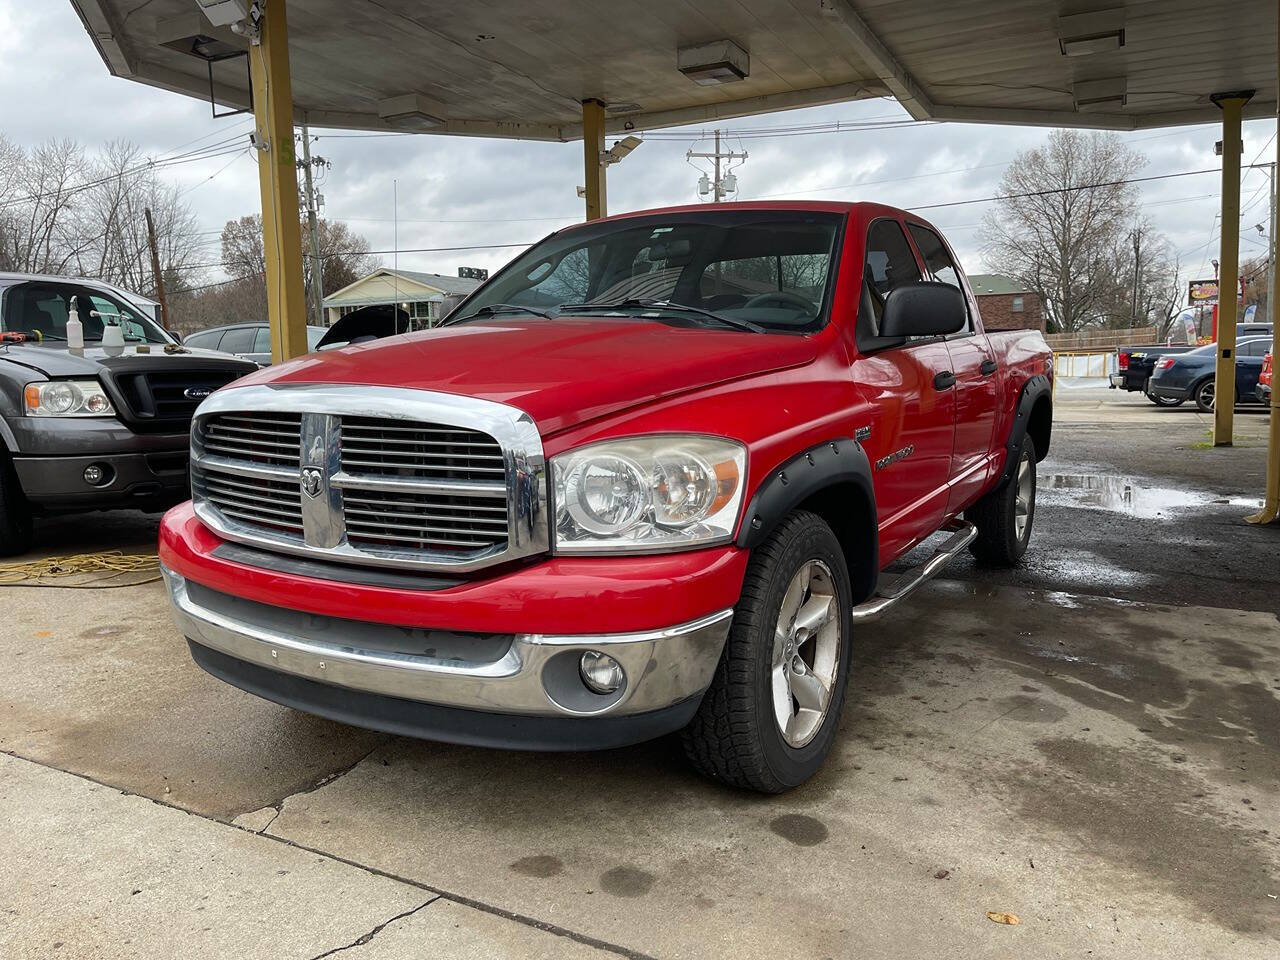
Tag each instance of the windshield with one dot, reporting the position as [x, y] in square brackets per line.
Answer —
[40, 309]
[769, 268]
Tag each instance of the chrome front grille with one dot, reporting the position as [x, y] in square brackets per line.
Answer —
[426, 450]
[255, 437]
[424, 522]
[372, 475]
[235, 474]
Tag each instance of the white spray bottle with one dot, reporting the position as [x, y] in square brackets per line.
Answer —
[75, 329]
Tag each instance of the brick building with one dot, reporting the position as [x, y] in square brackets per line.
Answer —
[1005, 305]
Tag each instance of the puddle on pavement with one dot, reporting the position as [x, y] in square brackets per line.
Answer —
[1126, 495]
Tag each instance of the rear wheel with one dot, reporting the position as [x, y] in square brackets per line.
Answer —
[15, 513]
[1005, 515]
[769, 718]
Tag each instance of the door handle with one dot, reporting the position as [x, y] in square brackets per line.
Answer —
[988, 367]
[944, 380]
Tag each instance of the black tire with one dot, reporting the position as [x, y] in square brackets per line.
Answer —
[1165, 401]
[15, 514]
[999, 542]
[735, 736]
[1205, 395]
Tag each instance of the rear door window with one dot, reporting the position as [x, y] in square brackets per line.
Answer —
[205, 339]
[239, 340]
[262, 340]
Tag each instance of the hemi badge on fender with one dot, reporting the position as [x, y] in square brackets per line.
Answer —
[896, 456]
[862, 433]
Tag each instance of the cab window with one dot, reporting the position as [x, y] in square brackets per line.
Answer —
[890, 264]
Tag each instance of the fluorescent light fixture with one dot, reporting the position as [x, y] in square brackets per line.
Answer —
[1092, 94]
[223, 13]
[1087, 33]
[191, 34]
[411, 111]
[708, 64]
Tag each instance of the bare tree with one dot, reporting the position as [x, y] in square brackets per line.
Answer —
[40, 233]
[344, 254]
[1063, 208]
[62, 211]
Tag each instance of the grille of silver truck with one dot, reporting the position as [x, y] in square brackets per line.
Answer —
[375, 489]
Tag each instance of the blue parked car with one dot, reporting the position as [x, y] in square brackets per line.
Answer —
[1189, 376]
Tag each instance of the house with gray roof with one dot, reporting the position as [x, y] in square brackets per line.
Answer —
[426, 297]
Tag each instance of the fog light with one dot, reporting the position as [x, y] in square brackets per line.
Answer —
[95, 475]
[600, 672]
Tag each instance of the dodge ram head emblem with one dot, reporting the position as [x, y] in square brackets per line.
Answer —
[312, 481]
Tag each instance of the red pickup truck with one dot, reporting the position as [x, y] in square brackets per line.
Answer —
[644, 479]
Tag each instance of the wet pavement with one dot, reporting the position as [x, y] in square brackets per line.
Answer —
[1091, 743]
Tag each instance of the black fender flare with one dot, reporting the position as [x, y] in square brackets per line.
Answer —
[839, 461]
[1035, 388]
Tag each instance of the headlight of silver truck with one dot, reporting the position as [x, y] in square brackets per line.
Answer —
[648, 494]
[67, 398]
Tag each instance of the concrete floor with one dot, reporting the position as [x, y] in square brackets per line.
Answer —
[1107, 769]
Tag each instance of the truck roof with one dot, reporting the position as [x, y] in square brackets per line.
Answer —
[10, 278]
[866, 208]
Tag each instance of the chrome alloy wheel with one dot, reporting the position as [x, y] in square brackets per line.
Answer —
[1208, 394]
[1025, 501]
[806, 653]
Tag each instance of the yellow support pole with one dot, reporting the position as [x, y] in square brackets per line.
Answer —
[1270, 511]
[278, 181]
[1224, 386]
[593, 158]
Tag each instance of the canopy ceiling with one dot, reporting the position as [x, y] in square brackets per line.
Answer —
[520, 68]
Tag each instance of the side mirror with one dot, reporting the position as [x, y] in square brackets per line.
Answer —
[930, 309]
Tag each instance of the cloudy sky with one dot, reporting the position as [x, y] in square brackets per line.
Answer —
[455, 192]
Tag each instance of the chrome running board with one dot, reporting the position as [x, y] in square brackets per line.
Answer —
[893, 589]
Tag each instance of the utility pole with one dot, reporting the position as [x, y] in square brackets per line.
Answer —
[1273, 248]
[317, 286]
[155, 269]
[716, 185]
[1136, 236]
[722, 185]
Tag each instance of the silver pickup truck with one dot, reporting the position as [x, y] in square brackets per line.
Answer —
[93, 427]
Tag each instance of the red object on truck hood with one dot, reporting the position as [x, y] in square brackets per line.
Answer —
[561, 372]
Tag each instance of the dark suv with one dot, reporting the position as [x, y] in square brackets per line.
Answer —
[98, 426]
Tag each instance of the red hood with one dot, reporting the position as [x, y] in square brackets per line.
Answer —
[561, 372]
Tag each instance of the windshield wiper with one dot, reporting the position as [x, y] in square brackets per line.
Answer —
[493, 309]
[648, 303]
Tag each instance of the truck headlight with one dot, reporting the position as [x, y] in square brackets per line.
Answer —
[67, 398]
[648, 494]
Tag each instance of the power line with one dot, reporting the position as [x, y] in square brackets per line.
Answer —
[209, 152]
[1083, 186]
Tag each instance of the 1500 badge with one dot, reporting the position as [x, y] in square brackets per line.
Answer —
[894, 457]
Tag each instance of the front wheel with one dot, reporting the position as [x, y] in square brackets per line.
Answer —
[1005, 515]
[15, 513]
[770, 716]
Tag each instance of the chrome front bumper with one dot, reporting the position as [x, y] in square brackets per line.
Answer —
[526, 674]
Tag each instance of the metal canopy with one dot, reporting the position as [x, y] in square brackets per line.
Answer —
[521, 68]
